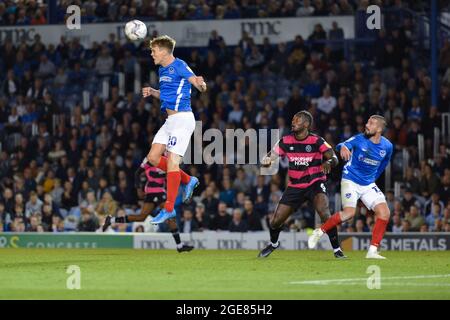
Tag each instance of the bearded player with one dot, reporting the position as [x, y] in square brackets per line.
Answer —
[149, 182]
[367, 156]
[175, 80]
[310, 160]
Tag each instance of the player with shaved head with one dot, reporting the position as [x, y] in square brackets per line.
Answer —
[367, 155]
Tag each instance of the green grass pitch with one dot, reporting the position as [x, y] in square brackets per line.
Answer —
[201, 274]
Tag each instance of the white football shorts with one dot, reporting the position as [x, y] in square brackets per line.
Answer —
[351, 192]
[176, 132]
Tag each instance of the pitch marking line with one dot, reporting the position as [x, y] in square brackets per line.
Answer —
[355, 281]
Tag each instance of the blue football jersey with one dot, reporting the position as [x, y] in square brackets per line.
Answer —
[368, 159]
[174, 87]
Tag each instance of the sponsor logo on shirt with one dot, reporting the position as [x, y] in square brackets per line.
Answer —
[301, 161]
[368, 161]
[165, 79]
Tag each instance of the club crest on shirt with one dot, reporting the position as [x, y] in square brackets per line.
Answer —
[308, 148]
[382, 153]
[171, 70]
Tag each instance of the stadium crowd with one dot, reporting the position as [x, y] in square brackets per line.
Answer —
[65, 165]
[33, 12]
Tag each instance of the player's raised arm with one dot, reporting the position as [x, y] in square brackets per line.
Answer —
[186, 72]
[345, 148]
[278, 150]
[150, 92]
[198, 82]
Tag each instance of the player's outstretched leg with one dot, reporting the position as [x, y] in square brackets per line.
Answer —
[173, 184]
[331, 223]
[163, 215]
[162, 164]
[181, 247]
[281, 214]
[145, 212]
[322, 208]
[382, 213]
[188, 189]
[188, 183]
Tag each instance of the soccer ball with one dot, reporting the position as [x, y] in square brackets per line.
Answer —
[135, 30]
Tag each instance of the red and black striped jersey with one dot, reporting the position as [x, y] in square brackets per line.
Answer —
[156, 179]
[305, 159]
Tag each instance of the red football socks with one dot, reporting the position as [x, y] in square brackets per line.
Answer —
[332, 222]
[163, 166]
[173, 183]
[378, 231]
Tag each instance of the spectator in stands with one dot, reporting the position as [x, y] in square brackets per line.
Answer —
[188, 223]
[318, 34]
[18, 225]
[240, 183]
[228, 194]
[34, 205]
[10, 86]
[162, 9]
[430, 182]
[222, 219]
[409, 199]
[34, 224]
[411, 182]
[396, 224]
[435, 200]
[414, 218]
[106, 206]
[201, 217]
[88, 222]
[433, 217]
[210, 202]
[104, 63]
[406, 226]
[237, 224]
[252, 217]
[46, 68]
[336, 34]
